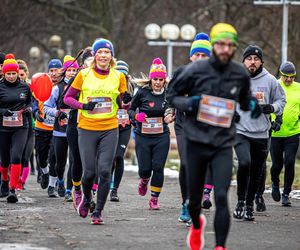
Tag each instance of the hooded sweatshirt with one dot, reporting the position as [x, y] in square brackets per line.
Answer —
[267, 90]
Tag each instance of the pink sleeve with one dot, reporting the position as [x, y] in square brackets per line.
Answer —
[70, 98]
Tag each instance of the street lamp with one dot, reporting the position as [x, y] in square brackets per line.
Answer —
[170, 33]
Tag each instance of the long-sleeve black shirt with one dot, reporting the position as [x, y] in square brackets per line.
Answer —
[14, 97]
[151, 104]
[209, 77]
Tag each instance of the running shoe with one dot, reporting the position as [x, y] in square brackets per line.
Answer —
[153, 203]
[84, 207]
[39, 177]
[44, 180]
[143, 186]
[206, 204]
[68, 196]
[184, 214]
[220, 248]
[239, 210]
[249, 213]
[275, 192]
[97, 218]
[52, 192]
[12, 197]
[61, 190]
[260, 203]
[4, 189]
[195, 237]
[114, 195]
[286, 200]
[77, 196]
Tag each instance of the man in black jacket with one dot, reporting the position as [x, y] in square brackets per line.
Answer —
[208, 91]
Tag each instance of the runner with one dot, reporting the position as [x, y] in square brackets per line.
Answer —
[98, 86]
[15, 110]
[252, 135]
[200, 49]
[212, 87]
[23, 74]
[152, 133]
[72, 136]
[124, 133]
[285, 142]
[55, 107]
[43, 136]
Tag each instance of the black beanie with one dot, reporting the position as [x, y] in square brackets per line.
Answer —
[2, 57]
[253, 50]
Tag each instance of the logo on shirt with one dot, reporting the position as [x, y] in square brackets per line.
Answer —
[151, 104]
[23, 95]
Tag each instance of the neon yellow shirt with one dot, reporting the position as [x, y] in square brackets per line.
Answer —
[290, 119]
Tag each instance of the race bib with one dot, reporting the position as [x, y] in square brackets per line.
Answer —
[153, 125]
[216, 111]
[49, 121]
[260, 96]
[123, 117]
[65, 121]
[16, 120]
[103, 106]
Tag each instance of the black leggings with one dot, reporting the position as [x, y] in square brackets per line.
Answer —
[152, 154]
[42, 146]
[12, 144]
[28, 148]
[283, 152]
[251, 154]
[118, 166]
[181, 145]
[61, 154]
[72, 136]
[219, 160]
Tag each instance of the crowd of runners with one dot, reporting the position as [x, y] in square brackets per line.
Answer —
[95, 106]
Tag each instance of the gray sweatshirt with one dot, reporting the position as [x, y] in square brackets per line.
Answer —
[267, 90]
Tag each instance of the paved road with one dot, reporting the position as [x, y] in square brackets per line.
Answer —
[38, 222]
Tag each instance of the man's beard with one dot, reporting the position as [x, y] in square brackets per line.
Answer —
[223, 60]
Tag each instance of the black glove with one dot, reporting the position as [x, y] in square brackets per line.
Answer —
[275, 126]
[8, 113]
[126, 98]
[267, 108]
[38, 116]
[89, 106]
[193, 104]
[62, 115]
[27, 111]
[237, 117]
[254, 108]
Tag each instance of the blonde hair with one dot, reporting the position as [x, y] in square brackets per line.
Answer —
[23, 65]
[145, 82]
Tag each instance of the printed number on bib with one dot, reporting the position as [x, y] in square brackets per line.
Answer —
[49, 121]
[122, 116]
[16, 120]
[65, 121]
[103, 106]
[216, 111]
[153, 125]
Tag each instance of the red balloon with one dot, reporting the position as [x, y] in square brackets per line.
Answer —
[41, 86]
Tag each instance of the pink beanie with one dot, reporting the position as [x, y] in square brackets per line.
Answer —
[69, 62]
[158, 69]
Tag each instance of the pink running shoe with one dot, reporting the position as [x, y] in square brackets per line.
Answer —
[195, 237]
[83, 207]
[77, 196]
[143, 186]
[97, 218]
[153, 203]
[220, 248]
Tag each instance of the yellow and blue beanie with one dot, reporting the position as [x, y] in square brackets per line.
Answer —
[223, 31]
[201, 44]
[101, 43]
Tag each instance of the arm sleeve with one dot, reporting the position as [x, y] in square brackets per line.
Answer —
[135, 103]
[278, 99]
[70, 98]
[245, 95]
[50, 104]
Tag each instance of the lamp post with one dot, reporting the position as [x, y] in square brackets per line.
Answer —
[170, 33]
